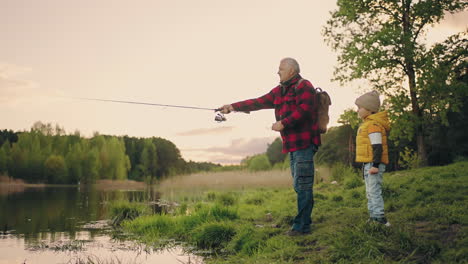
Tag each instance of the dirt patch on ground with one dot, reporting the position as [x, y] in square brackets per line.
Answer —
[444, 234]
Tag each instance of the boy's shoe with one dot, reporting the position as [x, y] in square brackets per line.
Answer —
[381, 220]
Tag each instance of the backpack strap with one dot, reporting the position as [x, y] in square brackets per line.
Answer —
[298, 83]
[313, 88]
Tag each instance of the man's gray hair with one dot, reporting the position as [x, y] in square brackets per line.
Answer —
[292, 62]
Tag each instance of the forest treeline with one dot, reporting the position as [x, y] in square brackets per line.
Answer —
[46, 154]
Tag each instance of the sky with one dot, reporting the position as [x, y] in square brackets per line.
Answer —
[201, 53]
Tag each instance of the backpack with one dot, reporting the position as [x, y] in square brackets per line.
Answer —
[323, 105]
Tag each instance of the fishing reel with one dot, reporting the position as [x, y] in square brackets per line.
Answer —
[219, 117]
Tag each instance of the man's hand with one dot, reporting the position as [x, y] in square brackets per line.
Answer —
[373, 170]
[226, 109]
[278, 126]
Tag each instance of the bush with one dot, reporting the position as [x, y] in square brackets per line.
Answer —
[213, 235]
[320, 196]
[124, 210]
[259, 163]
[356, 195]
[222, 213]
[247, 241]
[353, 182]
[340, 171]
[337, 198]
[409, 159]
[274, 152]
[226, 199]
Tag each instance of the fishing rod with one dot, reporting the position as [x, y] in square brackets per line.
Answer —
[218, 118]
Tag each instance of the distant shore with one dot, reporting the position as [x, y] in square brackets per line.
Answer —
[10, 185]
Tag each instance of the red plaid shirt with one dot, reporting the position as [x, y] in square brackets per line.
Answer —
[295, 107]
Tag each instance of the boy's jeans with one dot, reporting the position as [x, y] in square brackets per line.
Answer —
[302, 171]
[375, 202]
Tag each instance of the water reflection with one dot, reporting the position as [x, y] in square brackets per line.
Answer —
[99, 249]
[63, 224]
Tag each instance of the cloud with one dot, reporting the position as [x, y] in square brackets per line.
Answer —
[244, 147]
[206, 131]
[456, 21]
[13, 88]
[231, 154]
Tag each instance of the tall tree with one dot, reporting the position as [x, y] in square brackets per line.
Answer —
[382, 41]
[55, 169]
[168, 157]
[275, 151]
[4, 157]
[149, 159]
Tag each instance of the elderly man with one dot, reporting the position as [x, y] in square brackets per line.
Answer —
[296, 120]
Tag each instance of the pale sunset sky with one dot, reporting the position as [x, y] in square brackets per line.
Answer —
[202, 53]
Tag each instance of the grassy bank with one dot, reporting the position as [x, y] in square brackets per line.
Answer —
[427, 208]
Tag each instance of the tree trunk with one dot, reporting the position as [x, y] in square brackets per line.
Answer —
[408, 47]
[418, 113]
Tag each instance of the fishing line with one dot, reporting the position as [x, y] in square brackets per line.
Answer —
[218, 118]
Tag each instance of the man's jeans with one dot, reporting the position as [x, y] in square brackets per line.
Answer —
[302, 170]
[375, 202]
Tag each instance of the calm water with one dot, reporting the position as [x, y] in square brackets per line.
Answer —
[66, 225]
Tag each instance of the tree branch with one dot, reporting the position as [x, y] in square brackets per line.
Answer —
[389, 12]
[423, 23]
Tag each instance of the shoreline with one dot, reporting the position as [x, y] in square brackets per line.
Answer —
[10, 185]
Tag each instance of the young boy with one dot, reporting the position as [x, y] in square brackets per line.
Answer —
[372, 151]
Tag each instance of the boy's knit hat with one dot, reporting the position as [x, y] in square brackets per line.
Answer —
[369, 101]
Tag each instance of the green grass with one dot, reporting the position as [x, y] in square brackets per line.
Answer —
[427, 208]
[122, 210]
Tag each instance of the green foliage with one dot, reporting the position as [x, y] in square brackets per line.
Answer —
[337, 146]
[120, 211]
[220, 213]
[55, 169]
[213, 235]
[258, 163]
[353, 182]
[283, 165]
[448, 143]
[4, 157]
[409, 159]
[226, 199]
[383, 42]
[341, 172]
[24, 155]
[247, 241]
[351, 118]
[8, 136]
[90, 164]
[337, 198]
[274, 152]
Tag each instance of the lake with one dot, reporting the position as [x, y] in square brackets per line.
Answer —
[44, 225]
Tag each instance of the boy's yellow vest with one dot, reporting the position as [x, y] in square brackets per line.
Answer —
[363, 145]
